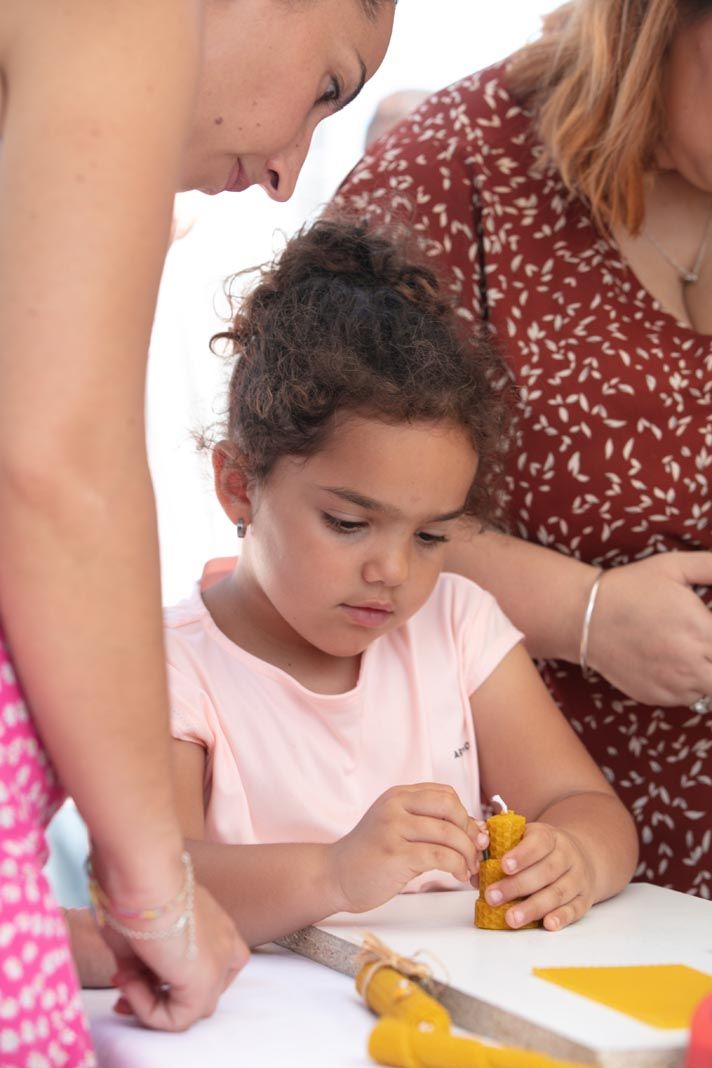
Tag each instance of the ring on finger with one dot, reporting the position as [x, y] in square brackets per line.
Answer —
[702, 705]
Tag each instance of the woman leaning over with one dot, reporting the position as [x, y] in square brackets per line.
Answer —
[106, 110]
[569, 192]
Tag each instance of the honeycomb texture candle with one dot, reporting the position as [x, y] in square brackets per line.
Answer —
[506, 830]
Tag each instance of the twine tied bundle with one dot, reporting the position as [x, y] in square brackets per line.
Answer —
[375, 954]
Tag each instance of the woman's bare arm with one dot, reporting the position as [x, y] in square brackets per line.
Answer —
[524, 578]
[650, 633]
[97, 102]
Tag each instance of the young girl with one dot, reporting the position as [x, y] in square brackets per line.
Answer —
[340, 706]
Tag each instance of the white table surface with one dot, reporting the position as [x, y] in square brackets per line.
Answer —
[285, 1010]
[281, 1010]
[643, 925]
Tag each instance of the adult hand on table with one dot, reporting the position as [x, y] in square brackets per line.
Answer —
[164, 986]
[650, 633]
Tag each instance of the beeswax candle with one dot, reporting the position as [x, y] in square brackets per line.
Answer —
[506, 830]
[389, 993]
[403, 1046]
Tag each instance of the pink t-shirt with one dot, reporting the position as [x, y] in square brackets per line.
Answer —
[288, 765]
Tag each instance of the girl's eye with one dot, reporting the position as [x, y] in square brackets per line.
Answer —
[344, 526]
[430, 539]
[332, 96]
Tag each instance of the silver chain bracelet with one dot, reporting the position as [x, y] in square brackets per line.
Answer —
[185, 922]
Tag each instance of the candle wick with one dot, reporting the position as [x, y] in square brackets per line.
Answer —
[498, 800]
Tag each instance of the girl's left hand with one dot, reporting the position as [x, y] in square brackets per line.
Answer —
[552, 875]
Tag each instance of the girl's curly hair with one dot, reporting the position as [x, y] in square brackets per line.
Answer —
[347, 318]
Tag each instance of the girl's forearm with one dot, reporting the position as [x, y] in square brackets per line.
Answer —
[269, 890]
[605, 833]
[80, 607]
[543, 592]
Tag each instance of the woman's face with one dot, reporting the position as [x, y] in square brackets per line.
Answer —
[272, 70]
[687, 144]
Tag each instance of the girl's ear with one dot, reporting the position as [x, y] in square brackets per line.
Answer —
[231, 483]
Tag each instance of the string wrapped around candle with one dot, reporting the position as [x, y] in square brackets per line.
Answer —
[385, 982]
[506, 830]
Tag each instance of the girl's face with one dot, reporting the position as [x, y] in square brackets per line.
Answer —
[272, 70]
[348, 544]
[687, 143]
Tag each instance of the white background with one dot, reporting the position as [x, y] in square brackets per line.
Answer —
[435, 42]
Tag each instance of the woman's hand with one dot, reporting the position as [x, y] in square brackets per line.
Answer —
[407, 831]
[162, 985]
[551, 872]
[650, 634]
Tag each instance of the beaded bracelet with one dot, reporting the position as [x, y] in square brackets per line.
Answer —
[106, 911]
[153, 912]
[590, 605]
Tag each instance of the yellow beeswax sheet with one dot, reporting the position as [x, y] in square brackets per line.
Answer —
[663, 995]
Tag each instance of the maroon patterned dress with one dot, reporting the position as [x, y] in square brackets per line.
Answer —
[615, 447]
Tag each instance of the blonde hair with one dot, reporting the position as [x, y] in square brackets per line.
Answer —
[595, 79]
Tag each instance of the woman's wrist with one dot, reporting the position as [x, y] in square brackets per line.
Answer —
[584, 642]
[137, 877]
[580, 581]
[159, 921]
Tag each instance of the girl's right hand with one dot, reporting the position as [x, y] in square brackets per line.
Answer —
[165, 988]
[407, 831]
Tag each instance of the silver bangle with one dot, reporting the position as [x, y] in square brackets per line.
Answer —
[585, 629]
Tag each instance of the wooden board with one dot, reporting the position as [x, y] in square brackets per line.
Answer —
[489, 988]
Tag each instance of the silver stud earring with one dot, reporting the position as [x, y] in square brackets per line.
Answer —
[241, 527]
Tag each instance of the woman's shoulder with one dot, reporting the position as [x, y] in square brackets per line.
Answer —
[462, 131]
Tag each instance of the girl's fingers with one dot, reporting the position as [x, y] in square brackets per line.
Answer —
[441, 858]
[566, 914]
[539, 841]
[438, 801]
[546, 874]
[478, 832]
[550, 900]
[427, 830]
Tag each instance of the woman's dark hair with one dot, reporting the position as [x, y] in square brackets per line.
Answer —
[348, 319]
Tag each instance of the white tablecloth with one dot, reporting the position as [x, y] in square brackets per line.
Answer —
[285, 1010]
[281, 1010]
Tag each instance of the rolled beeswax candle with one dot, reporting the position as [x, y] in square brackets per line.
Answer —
[389, 993]
[491, 917]
[506, 830]
[397, 1043]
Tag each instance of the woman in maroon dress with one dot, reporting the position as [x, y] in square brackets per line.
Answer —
[568, 191]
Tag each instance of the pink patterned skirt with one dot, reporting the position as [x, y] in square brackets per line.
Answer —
[42, 1023]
